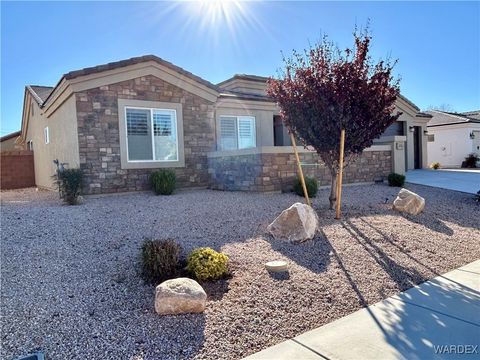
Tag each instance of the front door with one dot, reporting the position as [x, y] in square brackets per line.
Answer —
[417, 147]
[476, 142]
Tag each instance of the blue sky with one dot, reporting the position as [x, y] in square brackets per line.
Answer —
[437, 43]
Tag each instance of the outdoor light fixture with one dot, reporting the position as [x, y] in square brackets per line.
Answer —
[472, 135]
[425, 132]
[411, 128]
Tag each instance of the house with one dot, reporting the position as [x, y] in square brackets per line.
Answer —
[453, 136]
[7, 142]
[120, 121]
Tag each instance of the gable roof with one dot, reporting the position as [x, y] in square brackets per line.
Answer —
[40, 93]
[472, 114]
[441, 118]
[11, 135]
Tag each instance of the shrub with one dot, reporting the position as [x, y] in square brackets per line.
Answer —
[207, 264]
[160, 260]
[69, 182]
[435, 165]
[477, 196]
[471, 161]
[310, 183]
[163, 182]
[395, 179]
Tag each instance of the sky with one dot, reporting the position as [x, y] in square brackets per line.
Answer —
[437, 44]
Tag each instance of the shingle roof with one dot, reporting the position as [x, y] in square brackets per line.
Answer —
[11, 135]
[244, 96]
[133, 61]
[472, 114]
[40, 93]
[244, 77]
[446, 118]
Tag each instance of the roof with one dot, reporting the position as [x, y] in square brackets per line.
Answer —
[9, 136]
[244, 96]
[472, 114]
[133, 61]
[440, 118]
[244, 77]
[40, 93]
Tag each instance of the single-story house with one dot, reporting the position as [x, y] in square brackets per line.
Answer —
[453, 136]
[120, 121]
[7, 142]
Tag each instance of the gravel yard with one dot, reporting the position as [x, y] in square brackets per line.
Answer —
[70, 283]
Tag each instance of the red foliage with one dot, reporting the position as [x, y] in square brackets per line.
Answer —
[327, 89]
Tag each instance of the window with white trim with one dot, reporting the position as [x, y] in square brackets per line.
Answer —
[151, 134]
[46, 135]
[237, 132]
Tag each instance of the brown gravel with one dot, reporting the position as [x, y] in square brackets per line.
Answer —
[70, 283]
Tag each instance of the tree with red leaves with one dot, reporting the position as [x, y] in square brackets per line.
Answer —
[326, 89]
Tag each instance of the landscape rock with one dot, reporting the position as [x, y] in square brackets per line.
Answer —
[179, 296]
[409, 202]
[298, 223]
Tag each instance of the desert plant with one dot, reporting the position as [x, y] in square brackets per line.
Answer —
[207, 264]
[69, 183]
[471, 161]
[160, 260]
[163, 182]
[395, 179]
[435, 165]
[311, 185]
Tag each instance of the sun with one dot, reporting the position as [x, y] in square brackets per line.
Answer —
[214, 12]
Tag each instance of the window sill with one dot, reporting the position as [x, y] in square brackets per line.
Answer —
[152, 164]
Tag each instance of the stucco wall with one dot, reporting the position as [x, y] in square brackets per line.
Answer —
[452, 144]
[63, 145]
[99, 136]
[9, 144]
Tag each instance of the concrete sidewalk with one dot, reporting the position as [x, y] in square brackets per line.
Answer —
[467, 180]
[439, 319]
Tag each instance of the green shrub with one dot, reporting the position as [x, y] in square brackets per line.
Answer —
[395, 179]
[310, 183]
[207, 264]
[163, 182]
[69, 182]
[435, 165]
[471, 161]
[160, 260]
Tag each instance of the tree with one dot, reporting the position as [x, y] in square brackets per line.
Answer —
[442, 107]
[326, 89]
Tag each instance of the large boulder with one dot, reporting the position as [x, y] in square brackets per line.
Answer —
[296, 224]
[179, 296]
[409, 202]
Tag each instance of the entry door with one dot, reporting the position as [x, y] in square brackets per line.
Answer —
[417, 147]
[476, 142]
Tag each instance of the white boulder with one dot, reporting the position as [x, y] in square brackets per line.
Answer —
[179, 296]
[298, 223]
[409, 202]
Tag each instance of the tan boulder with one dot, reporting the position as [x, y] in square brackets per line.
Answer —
[409, 202]
[179, 296]
[298, 223]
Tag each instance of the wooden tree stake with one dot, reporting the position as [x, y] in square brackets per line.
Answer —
[300, 172]
[340, 174]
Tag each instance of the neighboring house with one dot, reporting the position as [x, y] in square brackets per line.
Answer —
[453, 136]
[7, 142]
[120, 121]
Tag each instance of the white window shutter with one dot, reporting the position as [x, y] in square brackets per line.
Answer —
[228, 132]
[246, 132]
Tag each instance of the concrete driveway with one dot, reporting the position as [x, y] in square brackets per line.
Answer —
[465, 180]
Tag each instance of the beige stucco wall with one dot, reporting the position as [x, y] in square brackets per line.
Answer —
[9, 145]
[63, 143]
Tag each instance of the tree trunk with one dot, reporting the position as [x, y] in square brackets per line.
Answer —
[333, 191]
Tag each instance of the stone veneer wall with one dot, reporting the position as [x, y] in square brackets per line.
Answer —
[277, 171]
[99, 143]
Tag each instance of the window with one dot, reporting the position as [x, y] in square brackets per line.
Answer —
[30, 145]
[237, 132]
[46, 135]
[151, 134]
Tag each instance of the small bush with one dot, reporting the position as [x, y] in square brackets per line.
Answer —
[160, 260]
[310, 183]
[477, 196]
[470, 161]
[207, 264]
[69, 182]
[395, 179]
[435, 165]
[163, 182]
